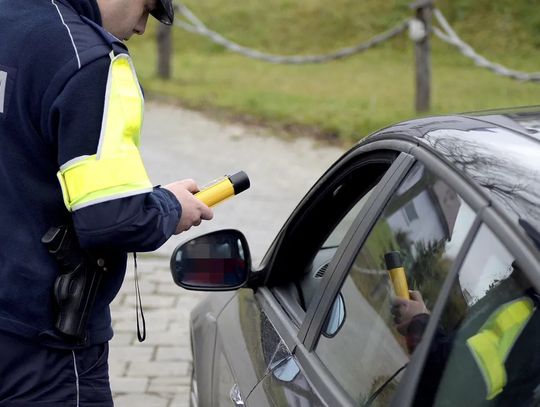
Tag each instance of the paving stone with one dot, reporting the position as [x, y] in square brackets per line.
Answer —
[152, 324]
[122, 338]
[131, 353]
[150, 263]
[117, 368]
[153, 301]
[161, 312]
[180, 401]
[169, 385]
[119, 299]
[182, 382]
[161, 276]
[179, 327]
[141, 400]
[173, 353]
[123, 312]
[169, 288]
[129, 384]
[165, 338]
[187, 304]
[157, 369]
[145, 287]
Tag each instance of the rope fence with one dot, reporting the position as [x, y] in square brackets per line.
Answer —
[198, 27]
[449, 35]
[419, 28]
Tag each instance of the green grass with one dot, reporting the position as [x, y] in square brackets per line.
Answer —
[343, 100]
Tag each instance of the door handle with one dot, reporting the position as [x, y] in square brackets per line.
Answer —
[236, 397]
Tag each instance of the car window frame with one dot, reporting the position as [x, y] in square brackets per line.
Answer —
[354, 238]
[341, 168]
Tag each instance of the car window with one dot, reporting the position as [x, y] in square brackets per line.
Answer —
[337, 235]
[309, 283]
[423, 226]
[489, 357]
[318, 227]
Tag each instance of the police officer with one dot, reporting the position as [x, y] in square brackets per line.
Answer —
[70, 120]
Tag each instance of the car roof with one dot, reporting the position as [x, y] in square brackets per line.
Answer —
[497, 151]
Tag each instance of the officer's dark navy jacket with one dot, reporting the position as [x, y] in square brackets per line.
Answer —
[54, 61]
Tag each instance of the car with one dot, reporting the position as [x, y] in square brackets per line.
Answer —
[447, 207]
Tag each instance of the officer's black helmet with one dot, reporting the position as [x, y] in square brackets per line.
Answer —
[164, 11]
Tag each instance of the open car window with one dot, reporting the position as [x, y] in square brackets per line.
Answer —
[324, 218]
[315, 272]
[337, 235]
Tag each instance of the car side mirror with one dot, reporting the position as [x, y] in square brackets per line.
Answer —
[335, 318]
[217, 261]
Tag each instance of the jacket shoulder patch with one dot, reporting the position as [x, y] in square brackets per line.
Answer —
[7, 80]
[3, 80]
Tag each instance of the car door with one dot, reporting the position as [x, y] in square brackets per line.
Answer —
[289, 302]
[258, 331]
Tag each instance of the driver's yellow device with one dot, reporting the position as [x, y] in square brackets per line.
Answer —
[223, 188]
[394, 265]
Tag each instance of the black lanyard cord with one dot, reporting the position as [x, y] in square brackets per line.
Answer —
[138, 304]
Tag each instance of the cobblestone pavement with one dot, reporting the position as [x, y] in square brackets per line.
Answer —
[178, 144]
[154, 373]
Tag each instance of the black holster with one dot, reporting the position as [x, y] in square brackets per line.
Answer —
[76, 286]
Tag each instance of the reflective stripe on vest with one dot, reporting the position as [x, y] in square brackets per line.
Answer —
[492, 344]
[116, 170]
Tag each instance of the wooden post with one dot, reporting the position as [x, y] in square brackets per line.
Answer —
[164, 46]
[423, 12]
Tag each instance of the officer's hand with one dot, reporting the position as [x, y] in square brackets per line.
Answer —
[405, 310]
[193, 210]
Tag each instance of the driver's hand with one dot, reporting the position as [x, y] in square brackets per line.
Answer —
[194, 211]
[405, 310]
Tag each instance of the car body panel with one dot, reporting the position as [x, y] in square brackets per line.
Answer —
[244, 329]
[203, 326]
[286, 385]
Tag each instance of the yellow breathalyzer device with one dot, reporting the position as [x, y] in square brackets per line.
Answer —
[223, 188]
[394, 265]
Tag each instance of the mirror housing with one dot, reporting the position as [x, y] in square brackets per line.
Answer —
[217, 261]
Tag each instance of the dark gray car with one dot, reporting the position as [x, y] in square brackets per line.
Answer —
[318, 322]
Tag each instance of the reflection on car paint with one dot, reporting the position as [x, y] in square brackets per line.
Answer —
[236, 397]
[506, 167]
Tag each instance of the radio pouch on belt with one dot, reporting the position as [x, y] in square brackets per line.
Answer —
[76, 286]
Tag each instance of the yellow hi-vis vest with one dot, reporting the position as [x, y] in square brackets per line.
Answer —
[492, 344]
[116, 170]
